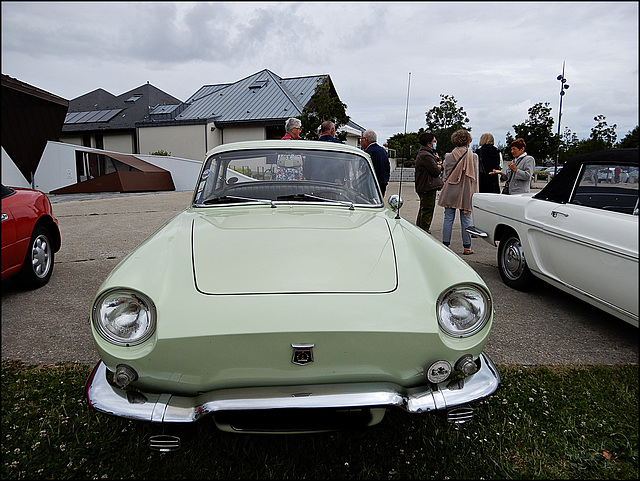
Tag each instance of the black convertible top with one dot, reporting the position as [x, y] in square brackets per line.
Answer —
[560, 187]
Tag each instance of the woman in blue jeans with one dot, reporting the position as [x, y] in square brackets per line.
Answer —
[460, 183]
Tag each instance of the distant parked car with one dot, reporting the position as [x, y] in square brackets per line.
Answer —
[551, 171]
[579, 234]
[605, 175]
[30, 236]
[288, 298]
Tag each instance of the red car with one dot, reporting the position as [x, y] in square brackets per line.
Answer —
[30, 237]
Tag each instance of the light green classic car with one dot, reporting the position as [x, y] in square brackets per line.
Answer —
[288, 298]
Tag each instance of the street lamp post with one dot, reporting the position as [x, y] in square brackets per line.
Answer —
[563, 87]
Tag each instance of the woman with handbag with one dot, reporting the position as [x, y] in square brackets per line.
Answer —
[460, 183]
[427, 179]
[519, 172]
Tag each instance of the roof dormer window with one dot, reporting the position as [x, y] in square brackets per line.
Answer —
[258, 84]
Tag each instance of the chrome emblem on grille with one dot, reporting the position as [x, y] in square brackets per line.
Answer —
[302, 354]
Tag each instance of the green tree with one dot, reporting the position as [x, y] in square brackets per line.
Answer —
[630, 140]
[323, 105]
[569, 144]
[406, 146]
[537, 132]
[603, 136]
[444, 120]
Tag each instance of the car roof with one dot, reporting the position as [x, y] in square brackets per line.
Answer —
[560, 187]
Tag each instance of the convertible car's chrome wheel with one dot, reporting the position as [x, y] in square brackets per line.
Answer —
[38, 264]
[512, 264]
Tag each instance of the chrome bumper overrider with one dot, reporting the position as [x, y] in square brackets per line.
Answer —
[168, 408]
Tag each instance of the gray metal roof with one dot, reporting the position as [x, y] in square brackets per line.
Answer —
[164, 109]
[261, 96]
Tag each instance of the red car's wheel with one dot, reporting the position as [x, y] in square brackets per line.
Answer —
[38, 263]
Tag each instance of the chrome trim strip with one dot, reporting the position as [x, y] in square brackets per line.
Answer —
[167, 408]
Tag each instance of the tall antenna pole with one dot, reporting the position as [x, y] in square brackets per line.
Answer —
[404, 148]
[406, 113]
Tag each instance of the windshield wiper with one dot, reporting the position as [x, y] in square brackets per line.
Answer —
[225, 199]
[301, 196]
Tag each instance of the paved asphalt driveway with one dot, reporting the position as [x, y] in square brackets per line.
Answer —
[50, 324]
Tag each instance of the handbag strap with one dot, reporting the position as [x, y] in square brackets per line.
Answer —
[458, 161]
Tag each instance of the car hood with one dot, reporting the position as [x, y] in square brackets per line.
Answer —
[293, 250]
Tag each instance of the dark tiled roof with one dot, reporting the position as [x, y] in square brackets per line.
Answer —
[131, 111]
[99, 99]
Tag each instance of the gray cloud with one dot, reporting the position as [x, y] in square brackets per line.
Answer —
[496, 59]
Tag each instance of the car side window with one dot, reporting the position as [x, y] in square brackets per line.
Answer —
[608, 187]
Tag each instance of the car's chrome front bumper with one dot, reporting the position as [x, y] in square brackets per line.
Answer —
[168, 408]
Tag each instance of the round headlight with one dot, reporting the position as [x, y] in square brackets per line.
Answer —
[464, 309]
[124, 317]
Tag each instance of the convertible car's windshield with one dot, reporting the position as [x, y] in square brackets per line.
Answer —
[287, 175]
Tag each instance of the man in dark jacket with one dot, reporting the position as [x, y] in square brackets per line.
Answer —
[369, 143]
[327, 170]
[427, 179]
[328, 132]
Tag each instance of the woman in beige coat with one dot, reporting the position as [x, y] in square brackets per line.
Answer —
[460, 183]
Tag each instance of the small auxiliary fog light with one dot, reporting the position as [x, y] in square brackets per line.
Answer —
[439, 371]
[466, 365]
[124, 375]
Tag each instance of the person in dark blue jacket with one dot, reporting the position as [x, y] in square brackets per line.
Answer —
[379, 157]
[328, 132]
[326, 169]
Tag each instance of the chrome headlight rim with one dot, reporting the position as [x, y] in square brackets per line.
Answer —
[137, 297]
[481, 320]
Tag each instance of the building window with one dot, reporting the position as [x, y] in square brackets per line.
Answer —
[88, 166]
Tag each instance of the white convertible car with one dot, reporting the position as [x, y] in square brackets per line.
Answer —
[579, 233]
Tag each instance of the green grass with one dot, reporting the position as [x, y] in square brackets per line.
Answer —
[578, 422]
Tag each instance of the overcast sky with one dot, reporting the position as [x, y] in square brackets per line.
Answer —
[497, 59]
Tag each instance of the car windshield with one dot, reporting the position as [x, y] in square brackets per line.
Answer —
[274, 176]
